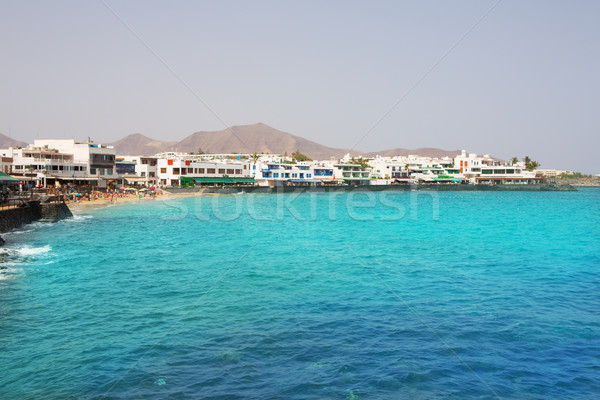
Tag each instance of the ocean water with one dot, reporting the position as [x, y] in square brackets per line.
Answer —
[449, 295]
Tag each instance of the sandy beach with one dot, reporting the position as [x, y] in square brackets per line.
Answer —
[84, 206]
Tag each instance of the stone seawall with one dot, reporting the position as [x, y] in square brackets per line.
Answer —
[54, 212]
[32, 211]
[15, 217]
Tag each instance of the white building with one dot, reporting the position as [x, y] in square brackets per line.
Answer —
[553, 172]
[464, 168]
[274, 170]
[352, 174]
[137, 169]
[43, 167]
[5, 163]
[99, 158]
[61, 162]
[487, 170]
[186, 170]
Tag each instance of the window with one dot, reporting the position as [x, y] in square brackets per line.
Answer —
[175, 171]
[93, 171]
[308, 175]
[276, 175]
[210, 170]
[238, 171]
[163, 170]
[151, 174]
[200, 170]
[229, 172]
[109, 171]
[221, 170]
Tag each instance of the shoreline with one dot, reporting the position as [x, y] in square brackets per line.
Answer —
[96, 204]
[175, 193]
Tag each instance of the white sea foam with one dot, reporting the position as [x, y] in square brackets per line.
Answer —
[82, 217]
[8, 270]
[25, 229]
[33, 251]
[79, 218]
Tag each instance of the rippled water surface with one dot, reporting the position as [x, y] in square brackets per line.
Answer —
[470, 295]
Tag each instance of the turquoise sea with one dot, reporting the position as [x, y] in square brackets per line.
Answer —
[435, 295]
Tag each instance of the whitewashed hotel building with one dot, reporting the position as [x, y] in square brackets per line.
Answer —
[171, 170]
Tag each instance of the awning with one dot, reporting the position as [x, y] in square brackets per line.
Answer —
[305, 180]
[136, 179]
[83, 178]
[217, 180]
[6, 178]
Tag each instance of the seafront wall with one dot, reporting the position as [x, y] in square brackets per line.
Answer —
[32, 211]
[373, 188]
[55, 212]
[15, 217]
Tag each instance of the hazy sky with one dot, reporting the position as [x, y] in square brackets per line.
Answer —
[524, 81]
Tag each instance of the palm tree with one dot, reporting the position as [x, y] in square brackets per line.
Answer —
[514, 160]
[527, 160]
[532, 165]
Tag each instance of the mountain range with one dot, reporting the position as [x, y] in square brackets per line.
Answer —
[259, 138]
[6, 142]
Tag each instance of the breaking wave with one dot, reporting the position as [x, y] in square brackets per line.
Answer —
[33, 251]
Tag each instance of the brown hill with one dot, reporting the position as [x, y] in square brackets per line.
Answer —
[6, 142]
[424, 151]
[259, 138]
[140, 145]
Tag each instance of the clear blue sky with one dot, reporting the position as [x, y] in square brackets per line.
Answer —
[525, 81]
